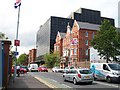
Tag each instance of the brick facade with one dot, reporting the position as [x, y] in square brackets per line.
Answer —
[32, 55]
[74, 46]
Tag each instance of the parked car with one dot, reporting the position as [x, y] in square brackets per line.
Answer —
[33, 67]
[78, 75]
[57, 69]
[22, 70]
[25, 67]
[67, 69]
[42, 69]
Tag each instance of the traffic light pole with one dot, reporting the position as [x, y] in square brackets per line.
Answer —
[15, 68]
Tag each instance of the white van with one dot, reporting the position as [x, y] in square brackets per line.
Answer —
[106, 71]
[33, 67]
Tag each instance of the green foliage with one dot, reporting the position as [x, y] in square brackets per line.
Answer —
[22, 58]
[107, 41]
[13, 57]
[52, 59]
[2, 36]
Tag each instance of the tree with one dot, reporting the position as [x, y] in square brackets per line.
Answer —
[52, 59]
[2, 36]
[22, 58]
[107, 41]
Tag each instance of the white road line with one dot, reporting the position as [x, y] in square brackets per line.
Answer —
[66, 86]
[107, 84]
[53, 80]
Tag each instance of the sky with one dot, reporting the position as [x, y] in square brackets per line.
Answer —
[34, 13]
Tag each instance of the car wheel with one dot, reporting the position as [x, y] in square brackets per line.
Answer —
[94, 78]
[108, 79]
[64, 78]
[90, 82]
[22, 72]
[75, 81]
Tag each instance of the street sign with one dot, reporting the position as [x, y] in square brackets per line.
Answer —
[16, 53]
[17, 42]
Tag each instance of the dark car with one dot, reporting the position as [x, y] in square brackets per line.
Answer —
[25, 67]
[43, 69]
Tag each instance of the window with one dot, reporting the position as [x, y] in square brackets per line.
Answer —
[86, 52]
[86, 34]
[86, 42]
[73, 71]
[114, 66]
[75, 51]
[105, 67]
[85, 71]
[74, 59]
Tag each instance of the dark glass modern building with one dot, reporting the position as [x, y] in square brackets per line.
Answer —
[47, 33]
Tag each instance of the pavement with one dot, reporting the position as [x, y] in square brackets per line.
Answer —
[26, 81]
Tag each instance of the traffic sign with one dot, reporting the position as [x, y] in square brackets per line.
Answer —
[17, 42]
[16, 53]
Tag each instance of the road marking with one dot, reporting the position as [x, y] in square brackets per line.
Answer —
[53, 80]
[62, 84]
[46, 83]
[107, 84]
[66, 85]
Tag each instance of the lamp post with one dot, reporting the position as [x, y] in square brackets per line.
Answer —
[16, 42]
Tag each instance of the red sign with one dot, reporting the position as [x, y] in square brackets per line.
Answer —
[17, 42]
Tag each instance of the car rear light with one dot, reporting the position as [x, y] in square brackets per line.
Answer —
[79, 75]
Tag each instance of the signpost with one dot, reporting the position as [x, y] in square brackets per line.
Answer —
[17, 42]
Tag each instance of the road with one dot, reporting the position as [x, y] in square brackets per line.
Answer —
[56, 80]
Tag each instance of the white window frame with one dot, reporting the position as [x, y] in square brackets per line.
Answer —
[75, 51]
[86, 34]
[86, 52]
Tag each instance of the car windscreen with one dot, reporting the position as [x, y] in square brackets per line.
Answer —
[85, 71]
[114, 66]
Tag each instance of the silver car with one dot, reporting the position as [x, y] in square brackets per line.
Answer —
[79, 75]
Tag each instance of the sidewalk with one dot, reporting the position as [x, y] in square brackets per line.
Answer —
[26, 81]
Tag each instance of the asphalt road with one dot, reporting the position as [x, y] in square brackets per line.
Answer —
[56, 79]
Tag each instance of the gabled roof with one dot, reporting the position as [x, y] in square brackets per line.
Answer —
[75, 27]
[62, 34]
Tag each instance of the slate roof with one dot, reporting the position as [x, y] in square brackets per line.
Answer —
[90, 26]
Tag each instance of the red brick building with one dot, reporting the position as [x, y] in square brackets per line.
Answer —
[32, 55]
[75, 45]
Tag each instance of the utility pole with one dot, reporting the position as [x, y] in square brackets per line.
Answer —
[16, 42]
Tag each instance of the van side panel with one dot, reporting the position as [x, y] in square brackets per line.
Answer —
[97, 71]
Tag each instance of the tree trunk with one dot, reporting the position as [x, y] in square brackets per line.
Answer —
[107, 59]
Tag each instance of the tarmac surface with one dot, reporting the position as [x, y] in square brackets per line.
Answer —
[26, 81]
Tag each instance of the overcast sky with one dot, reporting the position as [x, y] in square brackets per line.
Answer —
[34, 13]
